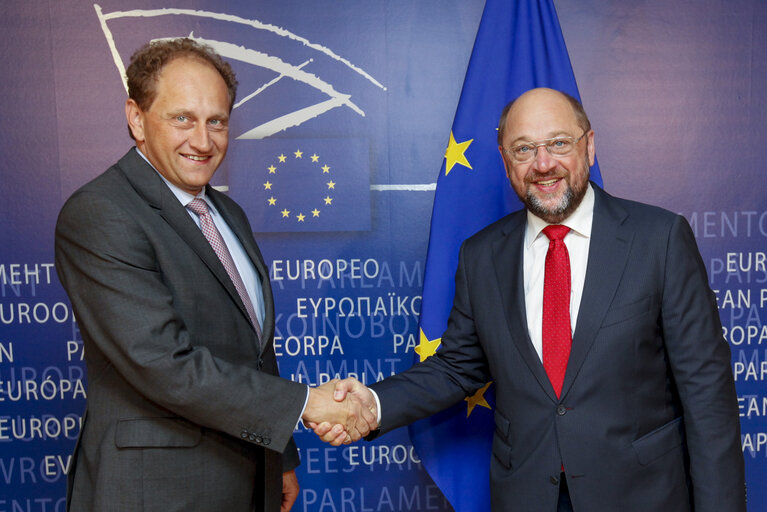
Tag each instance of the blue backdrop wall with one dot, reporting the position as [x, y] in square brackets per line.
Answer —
[673, 89]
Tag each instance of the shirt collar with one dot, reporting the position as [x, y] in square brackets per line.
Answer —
[579, 221]
[183, 196]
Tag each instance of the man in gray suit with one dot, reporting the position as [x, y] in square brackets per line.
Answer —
[186, 410]
[623, 397]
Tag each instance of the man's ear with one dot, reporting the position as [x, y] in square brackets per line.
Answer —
[591, 150]
[135, 117]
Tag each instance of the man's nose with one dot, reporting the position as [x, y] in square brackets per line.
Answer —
[543, 161]
[200, 137]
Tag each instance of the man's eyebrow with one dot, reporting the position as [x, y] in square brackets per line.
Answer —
[180, 112]
[551, 135]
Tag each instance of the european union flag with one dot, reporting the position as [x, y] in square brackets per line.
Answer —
[289, 185]
[519, 46]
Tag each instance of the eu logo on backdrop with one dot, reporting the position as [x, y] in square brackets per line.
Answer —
[302, 185]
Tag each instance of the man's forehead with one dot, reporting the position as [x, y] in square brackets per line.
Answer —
[184, 65]
[540, 113]
[184, 79]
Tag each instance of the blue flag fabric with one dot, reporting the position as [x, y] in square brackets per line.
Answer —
[519, 46]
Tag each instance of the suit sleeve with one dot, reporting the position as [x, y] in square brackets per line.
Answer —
[126, 307]
[700, 362]
[458, 369]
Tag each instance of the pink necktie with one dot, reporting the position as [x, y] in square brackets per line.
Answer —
[200, 207]
[557, 337]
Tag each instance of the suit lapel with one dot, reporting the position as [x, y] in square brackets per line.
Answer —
[150, 186]
[509, 269]
[243, 232]
[608, 253]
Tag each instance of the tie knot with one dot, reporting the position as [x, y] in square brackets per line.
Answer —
[556, 231]
[198, 206]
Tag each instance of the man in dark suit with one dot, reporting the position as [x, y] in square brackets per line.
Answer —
[632, 407]
[186, 410]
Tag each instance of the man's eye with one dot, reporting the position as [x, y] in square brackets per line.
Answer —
[559, 144]
[523, 149]
[182, 119]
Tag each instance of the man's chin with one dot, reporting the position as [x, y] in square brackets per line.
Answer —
[551, 210]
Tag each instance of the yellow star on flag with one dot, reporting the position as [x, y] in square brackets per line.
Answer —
[285, 213]
[477, 398]
[331, 184]
[325, 169]
[272, 201]
[272, 169]
[267, 186]
[456, 154]
[426, 347]
[315, 213]
[298, 153]
[282, 158]
[328, 200]
[300, 217]
[315, 157]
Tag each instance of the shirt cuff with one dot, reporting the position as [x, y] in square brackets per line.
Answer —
[300, 420]
[378, 407]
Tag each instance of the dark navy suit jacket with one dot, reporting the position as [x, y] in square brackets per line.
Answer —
[648, 416]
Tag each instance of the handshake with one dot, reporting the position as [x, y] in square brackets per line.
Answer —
[341, 411]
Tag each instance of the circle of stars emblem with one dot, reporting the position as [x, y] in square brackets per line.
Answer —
[315, 210]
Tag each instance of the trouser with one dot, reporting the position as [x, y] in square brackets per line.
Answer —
[564, 504]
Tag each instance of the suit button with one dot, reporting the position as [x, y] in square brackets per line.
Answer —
[561, 410]
[267, 441]
[244, 434]
[554, 480]
[259, 440]
[252, 437]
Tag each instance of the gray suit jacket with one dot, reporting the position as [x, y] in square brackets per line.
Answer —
[185, 412]
[648, 417]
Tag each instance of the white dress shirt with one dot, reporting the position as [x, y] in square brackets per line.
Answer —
[536, 245]
[245, 267]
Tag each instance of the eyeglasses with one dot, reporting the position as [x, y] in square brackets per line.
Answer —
[557, 147]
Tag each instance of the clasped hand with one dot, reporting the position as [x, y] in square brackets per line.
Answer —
[341, 411]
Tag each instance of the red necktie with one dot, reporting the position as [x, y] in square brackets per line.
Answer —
[557, 337]
[200, 207]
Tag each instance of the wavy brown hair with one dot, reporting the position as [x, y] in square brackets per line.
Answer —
[147, 63]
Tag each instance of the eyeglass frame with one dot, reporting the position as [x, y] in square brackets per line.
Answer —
[544, 143]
